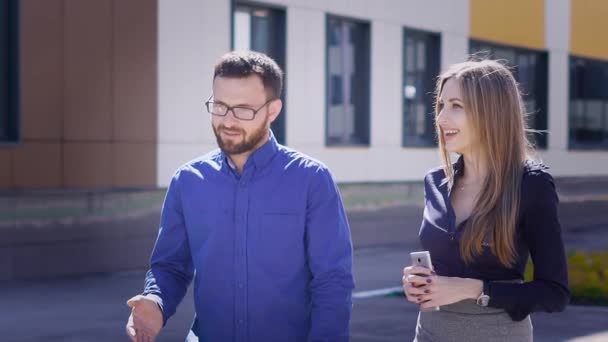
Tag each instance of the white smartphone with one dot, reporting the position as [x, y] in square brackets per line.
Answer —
[423, 258]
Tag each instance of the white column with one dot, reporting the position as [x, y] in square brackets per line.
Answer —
[192, 35]
[557, 38]
[454, 48]
[386, 85]
[305, 78]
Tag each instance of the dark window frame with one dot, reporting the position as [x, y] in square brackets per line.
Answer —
[362, 122]
[433, 62]
[577, 93]
[9, 72]
[279, 126]
[540, 89]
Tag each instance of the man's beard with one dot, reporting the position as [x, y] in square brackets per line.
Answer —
[247, 144]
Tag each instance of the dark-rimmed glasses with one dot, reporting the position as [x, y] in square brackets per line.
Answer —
[239, 112]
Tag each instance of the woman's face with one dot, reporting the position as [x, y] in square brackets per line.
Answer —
[452, 119]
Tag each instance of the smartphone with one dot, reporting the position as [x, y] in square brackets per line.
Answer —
[423, 259]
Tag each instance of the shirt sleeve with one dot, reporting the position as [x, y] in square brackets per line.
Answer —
[548, 291]
[329, 252]
[171, 268]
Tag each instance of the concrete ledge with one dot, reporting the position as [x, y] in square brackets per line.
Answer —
[35, 252]
[69, 233]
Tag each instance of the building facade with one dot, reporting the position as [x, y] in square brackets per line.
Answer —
[101, 100]
[103, 94]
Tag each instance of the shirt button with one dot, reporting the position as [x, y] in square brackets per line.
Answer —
[240, 321]
[243, 184]
[240, 285]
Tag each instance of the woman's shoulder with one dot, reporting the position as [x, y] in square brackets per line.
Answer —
[435, 177]
[537, 181]
[535, 171]
[437, 174]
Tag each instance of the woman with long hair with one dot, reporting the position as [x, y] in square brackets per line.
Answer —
[484, 215]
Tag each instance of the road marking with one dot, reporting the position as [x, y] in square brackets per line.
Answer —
[377, 293]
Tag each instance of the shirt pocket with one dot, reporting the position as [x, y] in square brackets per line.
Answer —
[279, 242]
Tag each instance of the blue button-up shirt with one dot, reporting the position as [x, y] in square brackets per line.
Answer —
[269, 250]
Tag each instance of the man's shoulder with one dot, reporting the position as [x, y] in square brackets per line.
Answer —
[209, 162]
[299, 161]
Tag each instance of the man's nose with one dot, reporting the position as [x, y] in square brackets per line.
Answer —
[230, 119]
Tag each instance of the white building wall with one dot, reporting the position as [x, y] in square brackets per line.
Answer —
[189, 46]
[384, 159]
[190, 40]
[306, 78]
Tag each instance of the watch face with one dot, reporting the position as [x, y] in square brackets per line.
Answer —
[483, 300]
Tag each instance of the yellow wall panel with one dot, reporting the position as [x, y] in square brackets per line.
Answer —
[511, 22]
[588, 29]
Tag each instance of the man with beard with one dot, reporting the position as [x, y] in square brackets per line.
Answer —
[260, 228]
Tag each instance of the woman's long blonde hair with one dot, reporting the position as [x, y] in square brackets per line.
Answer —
[495, 111]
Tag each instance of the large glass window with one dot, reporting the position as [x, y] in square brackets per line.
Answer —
[420, 69]
[262, 29]
[9, 98]
[347, 84]
[588, 104]
[529, 68]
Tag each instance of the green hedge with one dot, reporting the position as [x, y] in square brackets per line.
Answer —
[587, 276]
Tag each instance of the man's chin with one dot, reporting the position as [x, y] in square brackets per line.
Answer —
[232, 148]
[231, 142]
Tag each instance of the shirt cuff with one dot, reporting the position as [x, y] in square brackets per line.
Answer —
[156, 299]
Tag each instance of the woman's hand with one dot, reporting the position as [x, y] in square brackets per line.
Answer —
[422, 286]
[415, 281]
[447, 290]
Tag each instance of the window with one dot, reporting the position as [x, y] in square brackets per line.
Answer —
[347, 82]
[588, 104]
[530, 69]
[9, 98]
[262, 29]
[421, 55]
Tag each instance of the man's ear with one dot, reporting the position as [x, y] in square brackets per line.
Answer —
[274, 109]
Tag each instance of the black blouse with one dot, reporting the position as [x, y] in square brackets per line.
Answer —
[538, 234]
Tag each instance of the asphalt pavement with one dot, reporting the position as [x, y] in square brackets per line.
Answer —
[92, 308]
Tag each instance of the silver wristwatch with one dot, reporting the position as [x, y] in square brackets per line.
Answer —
[484, 297]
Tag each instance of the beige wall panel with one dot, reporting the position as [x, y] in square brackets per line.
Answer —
[88, 70]
[87, 165]
[37, 165]
[41, 69]
[134, 164]
[134, 74]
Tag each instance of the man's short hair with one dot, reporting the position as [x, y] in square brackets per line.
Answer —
[246, 63]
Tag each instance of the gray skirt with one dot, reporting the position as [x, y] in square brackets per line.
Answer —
[467, 321]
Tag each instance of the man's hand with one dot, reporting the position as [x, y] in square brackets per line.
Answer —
[145, 320]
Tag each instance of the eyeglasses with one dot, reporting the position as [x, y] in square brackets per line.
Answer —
[241, 113]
